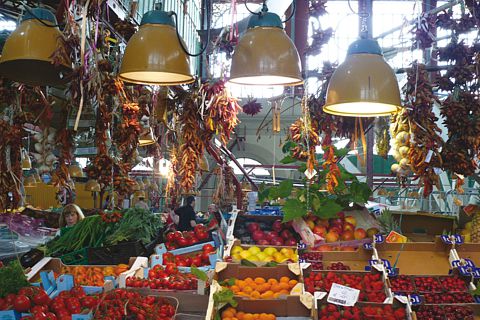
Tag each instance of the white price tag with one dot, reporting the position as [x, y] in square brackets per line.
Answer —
[429, 156]
[342, 295]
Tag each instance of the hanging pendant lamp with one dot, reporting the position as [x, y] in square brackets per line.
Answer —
[364, 85]
[154, 54]
[265, 55]
[27, 53]
[146, 138]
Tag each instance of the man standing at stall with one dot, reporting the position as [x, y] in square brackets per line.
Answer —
[186, 214]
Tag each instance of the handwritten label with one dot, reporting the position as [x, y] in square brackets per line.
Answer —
[429, 156]
[301, 245]
[448, 239]
[343, 295]
[368, 246]
[379, 238]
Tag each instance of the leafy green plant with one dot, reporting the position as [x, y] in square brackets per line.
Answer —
[223, 298]
[298, 202]
[12, 278]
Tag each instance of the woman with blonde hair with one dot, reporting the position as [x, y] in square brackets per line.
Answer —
[70, 215]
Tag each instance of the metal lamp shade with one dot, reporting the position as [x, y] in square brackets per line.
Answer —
[27, 53]
[75, 171]
[92, 185]
[266, 56]
[364, 85]
[153, 55]
[146, 139]
[29, 182]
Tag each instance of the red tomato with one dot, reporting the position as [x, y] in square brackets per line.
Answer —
[197, 261]
[208, 248]
[177, 235]
[190, 234]
[171, 268]
[40, 315]
[41, 298]
[10, 298]
[170, 236]
[202, 235]
[78, 292]
[27, 291]
[36, 309]
[206, 257]
[63, 314]
[182, 242]
[89, 302]
[51, 316]
[22, 303]
[199, 228]
[3, 304]
[188, 261]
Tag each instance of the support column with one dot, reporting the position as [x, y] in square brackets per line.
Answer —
[365, 12]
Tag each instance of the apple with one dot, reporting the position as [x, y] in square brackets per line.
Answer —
[263, 242]
[372, 231]
[331, 236]
[310, 224]
[291, 242]
[277, 241]
[269, 235]
[277, 225]
[360, 234]
[253, 227]
[320, 230]
[336, 221]
[257, 235]
[335, 229]
[322, 222]
[286, 234]
[348, 227]
[347, 235]
[351, 220]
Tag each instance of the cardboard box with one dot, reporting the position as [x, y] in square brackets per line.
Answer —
[225, 271]
[356, 260]
[474, 306]
[288, 307]
[417, 258]
[322, 302]
[56, 265]
[423, 226]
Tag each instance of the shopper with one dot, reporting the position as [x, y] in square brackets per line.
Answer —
[70, 215]
[213, 213]
[186, 215]
[141, 204]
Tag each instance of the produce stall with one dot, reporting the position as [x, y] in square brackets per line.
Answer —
[222, 160]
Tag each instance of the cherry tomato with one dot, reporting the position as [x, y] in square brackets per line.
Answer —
[22, 303]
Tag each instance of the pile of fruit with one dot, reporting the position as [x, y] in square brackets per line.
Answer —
[315, 260]
[261, 288]
[268, 254]
[385, 312]
[343, 228]
[36, 301]
[280, 235]
[232, 314]
[124, 304]
[164, 278]
[371, 286]
[435, 290]
[93, 276]
[198, 260]
[445, 313]
[177, 239]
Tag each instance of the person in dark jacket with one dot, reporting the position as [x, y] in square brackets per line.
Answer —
[186, 215]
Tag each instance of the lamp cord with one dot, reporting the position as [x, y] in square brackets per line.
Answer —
[265, 9]
[209, 16]
[43, 22]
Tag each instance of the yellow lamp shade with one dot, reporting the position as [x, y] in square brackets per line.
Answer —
[26, 163]
[92, 185]
[75, 171]
[154, 55]
[27, 53]
[29, 182]
[265, 55]
[146, 138]
[364, 85]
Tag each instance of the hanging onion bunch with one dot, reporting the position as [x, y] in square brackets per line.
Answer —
[400, 143]
[45, 143]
